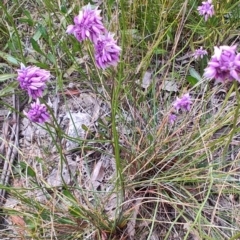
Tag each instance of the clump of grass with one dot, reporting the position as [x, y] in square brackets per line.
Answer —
[170, 181]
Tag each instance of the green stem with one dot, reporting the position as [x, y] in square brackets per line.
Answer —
[115, 135]
[199, 213]
[116, 87]
[234, 128]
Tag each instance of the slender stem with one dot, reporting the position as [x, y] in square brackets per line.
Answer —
[115, 135]
[234, 127]
[116, 87]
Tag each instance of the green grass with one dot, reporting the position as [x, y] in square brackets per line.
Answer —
[166, 181]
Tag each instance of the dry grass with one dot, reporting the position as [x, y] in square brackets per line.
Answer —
[130, 174]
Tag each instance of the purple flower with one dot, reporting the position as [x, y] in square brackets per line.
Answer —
[107, 52]
[224, 64]
[199, 53]
[172, 118]
[87, 25]
[183, 103]
[38, 112]
[33, 80]
[206, 9]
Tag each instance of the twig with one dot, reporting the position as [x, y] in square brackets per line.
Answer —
[4, 140]
[12, 148]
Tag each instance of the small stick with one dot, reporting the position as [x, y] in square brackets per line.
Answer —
[12, 149]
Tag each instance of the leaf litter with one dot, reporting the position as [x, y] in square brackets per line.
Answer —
[93, 171]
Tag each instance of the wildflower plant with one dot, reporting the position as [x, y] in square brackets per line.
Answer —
[200, 53]
[172, 118]
[183, 103]
[38, 112]
[206, 9]
[132, 175]
[107, 52]
[224, 65]
[33, 80]
[88, 25]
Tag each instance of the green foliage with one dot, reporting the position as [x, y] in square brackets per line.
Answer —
[174, 178]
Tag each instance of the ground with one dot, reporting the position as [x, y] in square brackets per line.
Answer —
[109, 164]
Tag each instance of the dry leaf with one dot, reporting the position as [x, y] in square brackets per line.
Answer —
[17, 220]
[97, 176]
[55, 179]
[132, 223]
[69, 92]
[75, 129]
[170, 86]
[147, 79]
[11, 203]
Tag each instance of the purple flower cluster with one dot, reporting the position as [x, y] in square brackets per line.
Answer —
[172, 118]
[224, 64]
[206, 9]
[38, 112]
[33, 80]
[88, 25]
[199, 53]
[183, 103]
[106, 51]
